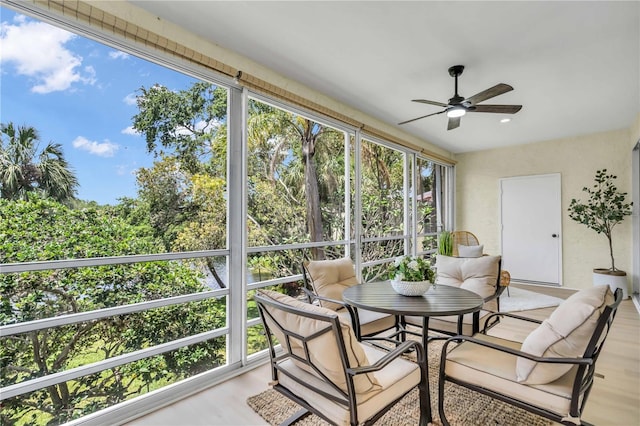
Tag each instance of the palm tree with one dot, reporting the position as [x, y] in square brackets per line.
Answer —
[23, 169]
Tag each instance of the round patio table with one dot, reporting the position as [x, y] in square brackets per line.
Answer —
[440, 300]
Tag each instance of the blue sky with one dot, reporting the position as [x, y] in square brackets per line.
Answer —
[80, 94]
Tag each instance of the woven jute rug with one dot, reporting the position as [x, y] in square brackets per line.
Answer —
[463, 406]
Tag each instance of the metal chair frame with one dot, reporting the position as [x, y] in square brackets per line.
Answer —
[348, 398]
[581, 384]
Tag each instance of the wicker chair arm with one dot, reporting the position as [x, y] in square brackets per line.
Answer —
[505, 278]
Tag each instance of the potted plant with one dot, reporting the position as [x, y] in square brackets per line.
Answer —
[445, 243]
[411, 275]
[605, 208]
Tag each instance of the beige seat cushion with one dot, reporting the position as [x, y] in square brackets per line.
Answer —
[566, 334]
[395, 380]
[329, 278]
[495, 370]
[477, 274]
[323, 350]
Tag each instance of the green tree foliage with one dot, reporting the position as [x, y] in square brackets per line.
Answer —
[164, 188]
[41, 229]
[382, 205]
[24, 169]
[292, 162]
[186, 122]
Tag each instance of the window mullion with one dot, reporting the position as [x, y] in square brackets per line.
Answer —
[236, 236]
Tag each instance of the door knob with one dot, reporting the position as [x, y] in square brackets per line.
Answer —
[554, 235]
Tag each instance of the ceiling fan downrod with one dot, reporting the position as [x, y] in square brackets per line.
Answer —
[454, 72]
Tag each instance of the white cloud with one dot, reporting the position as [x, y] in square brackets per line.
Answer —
[37, 51]
[118, 55]
[130, 131]
[130, 99]
[104, 149]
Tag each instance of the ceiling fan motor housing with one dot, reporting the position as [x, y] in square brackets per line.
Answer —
[456, 70]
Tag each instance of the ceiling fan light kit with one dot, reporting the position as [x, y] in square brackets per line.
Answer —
[459, 106]
[456, 112]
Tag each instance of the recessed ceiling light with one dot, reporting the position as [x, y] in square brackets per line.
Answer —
[505, 120]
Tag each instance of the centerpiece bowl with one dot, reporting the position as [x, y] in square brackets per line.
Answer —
[410, 288]
[411, 275]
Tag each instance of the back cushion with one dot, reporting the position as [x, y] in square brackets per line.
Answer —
[330, 278]
[477, 274]
[566, 334]
[323, 350]
[470, 251]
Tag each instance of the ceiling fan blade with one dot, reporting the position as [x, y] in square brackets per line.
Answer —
[496, 90]
[501, 109]
[424, 116]
[454, 122]
[424, 101]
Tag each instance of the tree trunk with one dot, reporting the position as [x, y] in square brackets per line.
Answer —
[613, 264]
[314, 216]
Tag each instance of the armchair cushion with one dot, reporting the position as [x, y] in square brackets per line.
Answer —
[330, 278]
[566, 334]
[495, 370]
[479, 274]
[323, 351]
[394, 380]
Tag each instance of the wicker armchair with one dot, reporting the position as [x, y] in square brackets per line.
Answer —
[464, 238]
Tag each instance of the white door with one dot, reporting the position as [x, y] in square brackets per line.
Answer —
[531, 215]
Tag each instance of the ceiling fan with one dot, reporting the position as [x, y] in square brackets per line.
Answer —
[459, 106]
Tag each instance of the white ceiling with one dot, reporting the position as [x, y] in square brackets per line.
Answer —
[574, 66]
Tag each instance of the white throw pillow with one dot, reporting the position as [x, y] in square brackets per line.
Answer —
[565, 334]
[470, 251]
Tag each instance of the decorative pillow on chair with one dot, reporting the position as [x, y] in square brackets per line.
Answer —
[323, 350]
[470, 251]
[565, 334]
[330, 278]
[479, 275]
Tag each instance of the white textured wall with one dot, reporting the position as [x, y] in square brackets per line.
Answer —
[576, 159]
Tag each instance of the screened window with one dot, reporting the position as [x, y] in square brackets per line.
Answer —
[135, 270]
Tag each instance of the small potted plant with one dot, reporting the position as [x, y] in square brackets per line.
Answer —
[605, 208]
[445, 243]
[411, 275]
